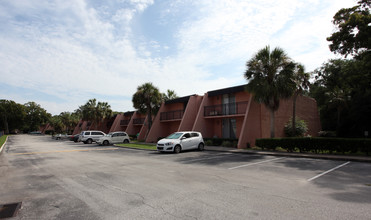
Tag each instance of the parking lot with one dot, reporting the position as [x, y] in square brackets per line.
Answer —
[63, 179]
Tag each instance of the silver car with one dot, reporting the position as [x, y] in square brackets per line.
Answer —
[178, 141]
[114, 138]
[89, 137]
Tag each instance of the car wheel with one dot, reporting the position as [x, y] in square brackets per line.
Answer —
[177, 149]
[58, 138]
[105, 142]
[201, 147]
[126, 141]
[89, 141]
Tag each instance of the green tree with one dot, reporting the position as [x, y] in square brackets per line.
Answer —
[56, 122]
[147, 100]
[301, 80]
[269, 74]
[353, 30]
[36, 116]
[169, 95]
[343, 94]
[12, 116]
[95, 112]
[69, 120]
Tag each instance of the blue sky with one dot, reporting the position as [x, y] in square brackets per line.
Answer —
[62, 53]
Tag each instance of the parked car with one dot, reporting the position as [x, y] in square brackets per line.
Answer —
[74, 138]
[179, 141]
[114, 138]
[60, 136]
[88, 137]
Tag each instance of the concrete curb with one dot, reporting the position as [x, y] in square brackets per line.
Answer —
[2, 147]
[298, 155]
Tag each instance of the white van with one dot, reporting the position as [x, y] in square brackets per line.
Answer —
[89, 137]
[118, 137]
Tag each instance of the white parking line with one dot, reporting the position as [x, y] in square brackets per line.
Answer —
[319, 175]
[250, 164]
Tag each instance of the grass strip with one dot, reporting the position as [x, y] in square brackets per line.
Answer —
[139, 146]
[2, 139]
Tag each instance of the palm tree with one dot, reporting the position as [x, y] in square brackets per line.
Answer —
[169, 95]
[103, 110]
[301, 80]
[270, 75]
[95, 112]
[147, 99]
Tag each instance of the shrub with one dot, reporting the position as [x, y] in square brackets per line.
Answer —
[327, 133]
[208, 142]
[300, 128]
[316, 145]
[219, 141]
[227, 144]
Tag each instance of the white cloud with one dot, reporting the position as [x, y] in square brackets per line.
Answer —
[73, 50]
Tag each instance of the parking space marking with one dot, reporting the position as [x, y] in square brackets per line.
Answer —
[328, 171]
[250, 164]
[209, 158]
[61, 151]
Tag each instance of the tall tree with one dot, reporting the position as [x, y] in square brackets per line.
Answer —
[56, 122]
[147, 99]
[169, 95]
[342, 91]
[301, 80]
[95, 112]
[11, 115]
[353, 35]
[35, 116]
[69, 120]
[269, 74]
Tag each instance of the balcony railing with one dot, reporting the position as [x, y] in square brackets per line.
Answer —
[172, 115]
[138, 121]
[234, 108]
[124, 122]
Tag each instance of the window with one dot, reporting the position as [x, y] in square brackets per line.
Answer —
[187, 135]
[194, 135]
[96, 133]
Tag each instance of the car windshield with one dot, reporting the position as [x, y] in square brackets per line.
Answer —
[174, 136]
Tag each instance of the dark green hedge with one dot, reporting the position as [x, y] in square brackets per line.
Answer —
[317, 145]
[219, 141]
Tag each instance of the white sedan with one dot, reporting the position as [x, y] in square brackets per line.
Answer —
[183, 140]
[117, 137]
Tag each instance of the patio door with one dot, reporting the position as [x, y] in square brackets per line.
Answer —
[229, 104]
[229, 128]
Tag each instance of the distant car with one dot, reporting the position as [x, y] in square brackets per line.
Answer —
[60, 136]
[179, 141]
[88, 137]
[114, 138]
[35, 132]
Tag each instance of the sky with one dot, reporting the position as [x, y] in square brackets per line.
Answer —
[61, 53]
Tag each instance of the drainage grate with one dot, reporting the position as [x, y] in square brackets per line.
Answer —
[9, 210]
